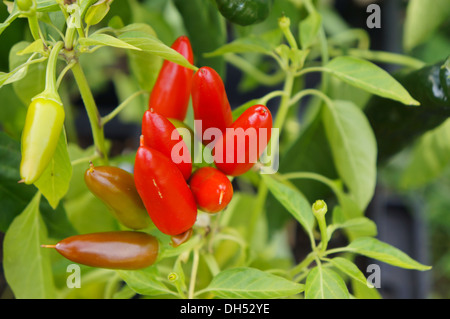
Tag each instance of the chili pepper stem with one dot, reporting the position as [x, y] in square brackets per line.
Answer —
[33, 24]
[50, 91]
[48, 246]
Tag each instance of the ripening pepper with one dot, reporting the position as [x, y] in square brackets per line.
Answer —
[43, 125]
[171, 92]
[115, 188]
[128, 250]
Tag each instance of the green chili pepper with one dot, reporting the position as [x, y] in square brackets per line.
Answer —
[244, 12]
[43, 125]
[397, 125]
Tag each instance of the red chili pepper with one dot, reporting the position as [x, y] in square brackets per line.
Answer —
[171, 92]
[164, 191]
[244, 142]
[114, 250]
[212, 189]
[210, 103]
[160, 134]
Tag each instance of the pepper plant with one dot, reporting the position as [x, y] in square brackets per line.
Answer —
[238, 251]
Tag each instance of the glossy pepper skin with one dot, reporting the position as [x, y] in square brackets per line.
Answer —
[244, 12]
[210, 103]
[244, 142]
[43, 125]
[397, 125]
[160, 134]
[127, 250]
[164, 191]
[171, 92]
[212, 189]
[180, 239]
[115, 188]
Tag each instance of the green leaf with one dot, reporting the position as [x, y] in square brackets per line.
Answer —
[151, 44]
[376, 249]
[368, 76]
[12, 119]
[47, 5]
[423, 17]
[32, 81]
[354, 149]
[250, 283]
[145, 281]
[12, 16]
[309, 29]
[358, 227]
[102, 39]
[14, 197]
[348, 268]
[429, 158]
[36, 46]
[363, 291]
[293, 201]
[324, 283]
[27, 266]
[144, 65]
[206, 29]
[54, 181]
[243, 45]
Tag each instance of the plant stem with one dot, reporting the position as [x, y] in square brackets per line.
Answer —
[193, 274]
[34, 26]
[69, 38]
[305, 263]
[105, 119]
[261, 77]
[92, 111]
[51, 91]
[63, 73]
[314, 176]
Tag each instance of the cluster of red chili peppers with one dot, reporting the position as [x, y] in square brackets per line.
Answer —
[165, 189]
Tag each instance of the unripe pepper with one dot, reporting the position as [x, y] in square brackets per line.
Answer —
[210, 103]
[160, 134]
[244, 12]
[244, 142]
[128, 250]
[212, 189]
[164, 191]
[397, 125]
[115, 188]
[171, 92]
[43, 125]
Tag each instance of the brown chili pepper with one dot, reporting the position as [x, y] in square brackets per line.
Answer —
[126, 250]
